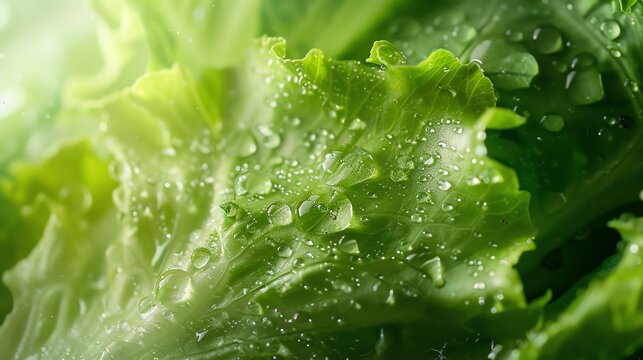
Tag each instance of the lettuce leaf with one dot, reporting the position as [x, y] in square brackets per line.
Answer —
[573, 70]
[607, 315]
[171, 187]
[245, 246]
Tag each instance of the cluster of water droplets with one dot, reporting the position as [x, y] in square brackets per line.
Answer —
[531, 49]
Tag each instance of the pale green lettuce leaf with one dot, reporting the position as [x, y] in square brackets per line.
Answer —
[124, 53]
[198, 33]
[336, 27]
[55, 210]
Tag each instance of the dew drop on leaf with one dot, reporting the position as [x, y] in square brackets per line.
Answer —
[444, 185]
[416, 218]
[547, 39]
[349, 247]
[230, 208]
[200, 257]
[585, 86]
[349, 167]
[390, 299]
[268, 137]
[174, 287]
[514, 36]
[357, 124]
[435, 270]
[464, 33]
[423, 197]
[404, 162]
[512, 70]
[146, 306]
[610, 29]
[447, 207]
[583, 61]
[426, 159]
[324, 211]
[284, 251]
[242, 145]
[552, 122]
[279, 214]
[398, 175]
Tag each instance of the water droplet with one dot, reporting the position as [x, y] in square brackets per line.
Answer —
[632, 84]
[357, 124]
[585, 86]
[347, 168]
[255, 182]
[423, 197]
[269, 138]
[404, 162]
[147, 306]
[434, 269]
[634, 248]
[284, 251]
[399, 175]
[173, 287]
[350, 246]
[444, 185]
[279, 214]
[416, 218]
[464, 33]
[200, 257]
[230, 208]
[514, 36]
[242, 145]
[512, 70]
[390, 299]
[426, 159]
[547, 39]
[552, 122]
[446, 207]
[611, 29]
[473, 181]
[583, 61]
[119, 170]
[324, 211]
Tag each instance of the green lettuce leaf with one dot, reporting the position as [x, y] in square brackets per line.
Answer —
[336, 27]
[310, 207]
[123, 48]
[607, 315]
[179, 32]
[37, 195]
[625, 5]
[573, 69]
